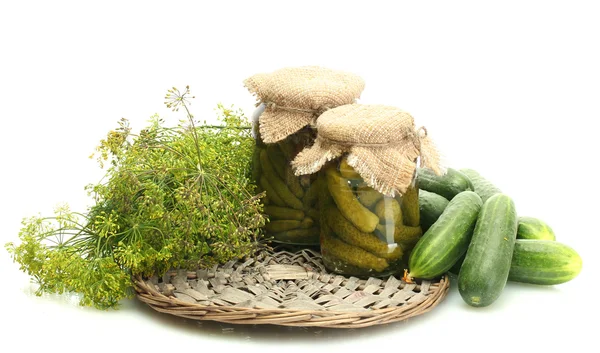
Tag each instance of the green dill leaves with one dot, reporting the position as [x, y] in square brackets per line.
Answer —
[172, 197]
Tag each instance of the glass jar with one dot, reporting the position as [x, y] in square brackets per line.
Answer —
[363, 232]
[291, 201]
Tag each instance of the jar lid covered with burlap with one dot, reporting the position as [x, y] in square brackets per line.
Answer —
[294, 97]
[381, 142]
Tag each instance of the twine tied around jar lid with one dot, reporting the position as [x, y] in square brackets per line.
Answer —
[294, 97]
[381, 141]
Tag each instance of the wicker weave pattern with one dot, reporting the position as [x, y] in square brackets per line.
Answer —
[289, 289]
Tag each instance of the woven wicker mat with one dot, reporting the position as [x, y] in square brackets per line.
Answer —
[288, 289]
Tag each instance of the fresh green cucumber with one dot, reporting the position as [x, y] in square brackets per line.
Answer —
[482, 186]
[447, 185]
[484, 273]
[533, 228]
[431, 206]
[544, 262]
[447, 239]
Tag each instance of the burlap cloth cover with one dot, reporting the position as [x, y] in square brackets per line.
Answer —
[382, 143]
[295, 97]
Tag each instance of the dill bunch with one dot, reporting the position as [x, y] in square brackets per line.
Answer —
[172, 197]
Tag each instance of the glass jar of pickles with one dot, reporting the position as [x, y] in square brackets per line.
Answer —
[366, 158]
[290, 100]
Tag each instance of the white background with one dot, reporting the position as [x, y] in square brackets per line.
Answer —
[511, 89]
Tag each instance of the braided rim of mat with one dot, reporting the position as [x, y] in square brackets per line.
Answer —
[288, 289]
